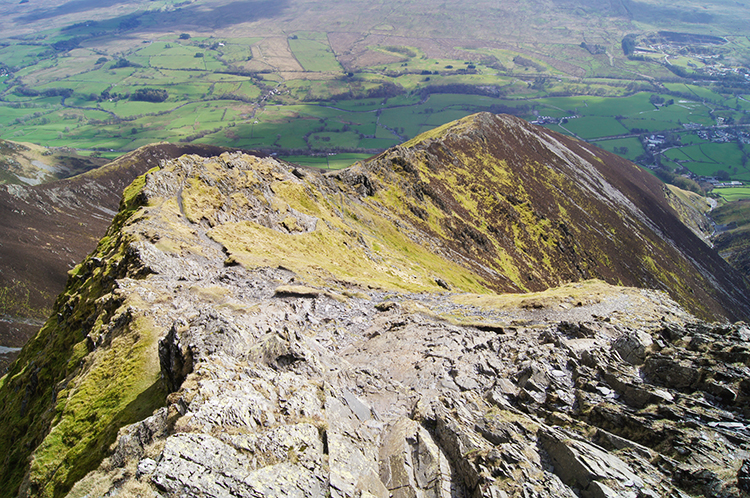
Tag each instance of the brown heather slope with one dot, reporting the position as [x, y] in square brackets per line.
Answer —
[47, 229]
[527, 209]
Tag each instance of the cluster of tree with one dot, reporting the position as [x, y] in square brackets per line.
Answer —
[523, 61]
[658, 100]
[123, 63]
[150, 95]
[470, 69]
[48, 92]
[678, 181]
[683, 73]
[129, 23]
[80, 25]
[463, 89]
[722, 175]
[385, 91]
[29, 117]
[635, 87]
[733, 84]
[621, 150]
[727, 81]
[629, 44]
[519, 110]
[594, 49]
[66, 45]
[539, 83]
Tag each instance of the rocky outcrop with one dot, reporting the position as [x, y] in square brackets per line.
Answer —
[341, 398]
[293, 333]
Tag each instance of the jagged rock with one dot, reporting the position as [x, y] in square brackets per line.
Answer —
[668, 371]
[587, 468]
[175, 357]
[743, 476]
[201, 465]
[133, 439]
[412, 464]
[146, 467]
[633, 346]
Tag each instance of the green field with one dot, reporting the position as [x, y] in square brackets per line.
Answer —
[358, 91]
[733, 193]
[313, 52]
[595, 127]
[707, 158]
[633, 147]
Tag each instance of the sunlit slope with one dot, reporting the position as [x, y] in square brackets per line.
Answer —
[527, 209]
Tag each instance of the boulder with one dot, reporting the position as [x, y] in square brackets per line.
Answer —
[633, 346]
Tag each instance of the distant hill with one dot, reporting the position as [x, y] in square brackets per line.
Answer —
[30, 164]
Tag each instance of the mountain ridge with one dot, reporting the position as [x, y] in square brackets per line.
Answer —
[306, 326]
[631, 191]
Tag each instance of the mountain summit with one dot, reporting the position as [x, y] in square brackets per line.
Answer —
[458, 316]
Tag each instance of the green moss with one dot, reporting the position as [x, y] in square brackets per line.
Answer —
[120, 385]
[342, 248]
[200, 201]
[69, 407]
[298, 197]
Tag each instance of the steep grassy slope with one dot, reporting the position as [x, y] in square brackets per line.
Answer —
[527, 209]
[485, 205]
[734, 242]
[88, 371]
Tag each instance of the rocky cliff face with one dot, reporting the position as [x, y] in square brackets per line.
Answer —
[247, 328]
